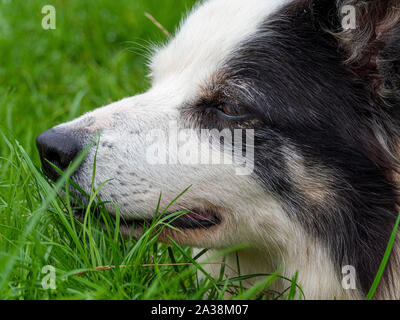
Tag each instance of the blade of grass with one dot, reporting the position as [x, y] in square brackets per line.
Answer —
[385, 259]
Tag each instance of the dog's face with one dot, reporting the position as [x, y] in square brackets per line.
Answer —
[193, 87]
[267, 67]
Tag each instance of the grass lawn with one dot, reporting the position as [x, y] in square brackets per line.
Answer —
[95, 55]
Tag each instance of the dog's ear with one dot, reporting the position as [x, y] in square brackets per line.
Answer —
[372, 41]
[324, 14]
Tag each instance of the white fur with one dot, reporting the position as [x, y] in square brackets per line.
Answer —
[206, 39]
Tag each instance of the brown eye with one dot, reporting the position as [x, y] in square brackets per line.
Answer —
[232, 112]
[229, 110]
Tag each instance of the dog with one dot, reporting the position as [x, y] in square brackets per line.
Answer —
[321, 105]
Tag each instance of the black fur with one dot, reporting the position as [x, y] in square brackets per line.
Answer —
[309, 101]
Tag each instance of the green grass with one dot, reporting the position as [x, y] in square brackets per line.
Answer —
[96, 55]
[385, 259]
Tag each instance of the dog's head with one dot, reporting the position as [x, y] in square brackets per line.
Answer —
[303, 105]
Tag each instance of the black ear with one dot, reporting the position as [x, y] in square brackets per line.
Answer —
[372, 47]
[324, 13]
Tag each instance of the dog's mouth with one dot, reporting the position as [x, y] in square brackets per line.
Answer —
[185, 220]
[193, 219]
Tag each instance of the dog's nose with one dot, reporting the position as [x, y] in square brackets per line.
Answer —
[57, 147]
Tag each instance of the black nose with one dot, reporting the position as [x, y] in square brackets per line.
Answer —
[57, 147]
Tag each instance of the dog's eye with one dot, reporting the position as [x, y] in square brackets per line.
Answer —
[232, 112]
